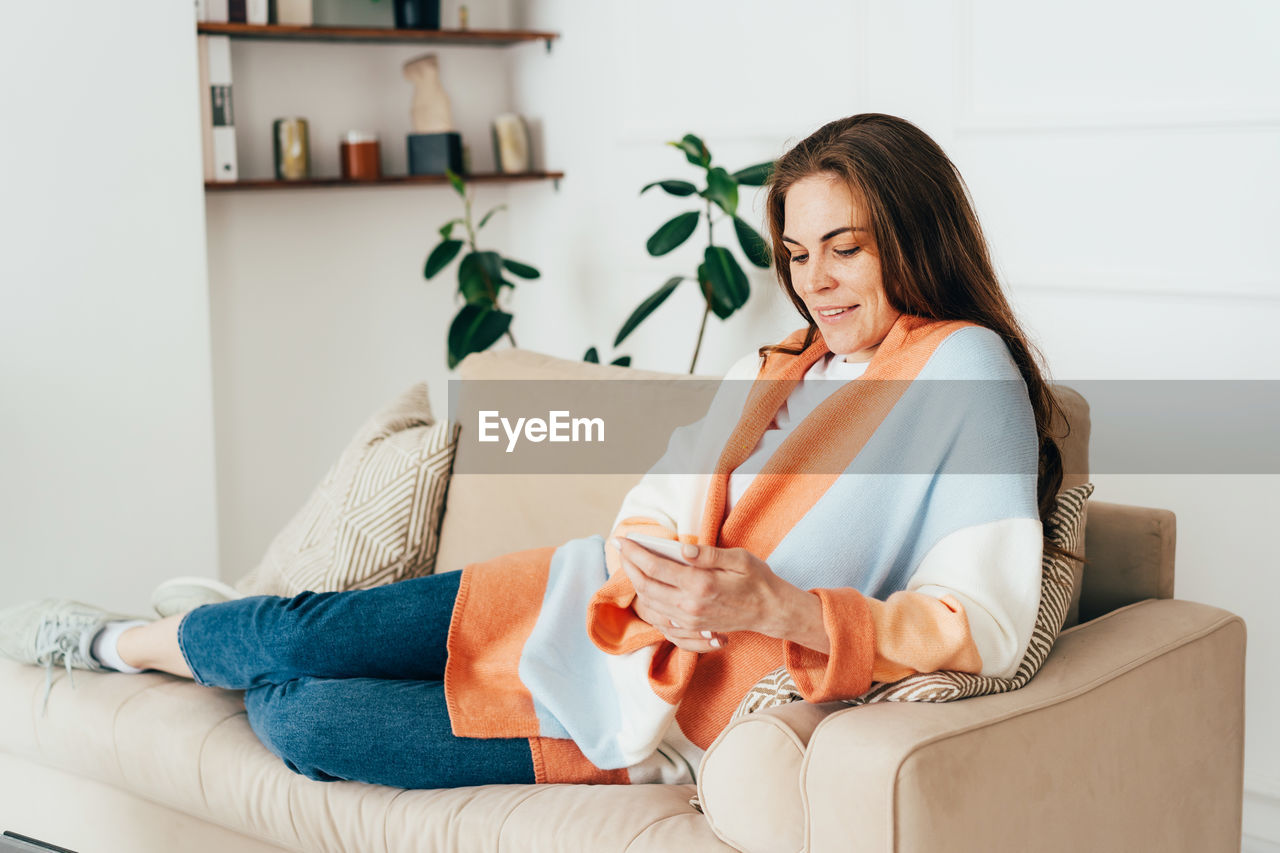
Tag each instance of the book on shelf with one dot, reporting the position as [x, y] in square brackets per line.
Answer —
[206, 108]
[237, 11]
[221, 104]
[215, 11]
[257, 11]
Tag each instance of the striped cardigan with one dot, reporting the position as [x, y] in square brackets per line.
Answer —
[907, 507]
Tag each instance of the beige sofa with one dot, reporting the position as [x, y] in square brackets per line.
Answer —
[1129, 738]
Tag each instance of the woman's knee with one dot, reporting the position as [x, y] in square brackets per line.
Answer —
[284, 719]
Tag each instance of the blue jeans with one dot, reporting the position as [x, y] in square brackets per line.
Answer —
[350, 685]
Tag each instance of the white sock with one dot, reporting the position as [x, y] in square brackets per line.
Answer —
[104, 645]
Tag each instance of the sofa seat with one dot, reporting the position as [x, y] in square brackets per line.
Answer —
[163, 740]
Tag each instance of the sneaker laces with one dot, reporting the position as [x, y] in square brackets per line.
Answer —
[59, 639]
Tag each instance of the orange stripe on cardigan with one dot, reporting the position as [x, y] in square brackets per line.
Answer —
[778, 493]
[873, 640]
[559, 760]
[497, 606]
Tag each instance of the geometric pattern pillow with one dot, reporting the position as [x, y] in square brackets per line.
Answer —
[375, 517]
[1066, 525]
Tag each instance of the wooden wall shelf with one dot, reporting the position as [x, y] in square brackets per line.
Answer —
[386, 35]
[401, 180]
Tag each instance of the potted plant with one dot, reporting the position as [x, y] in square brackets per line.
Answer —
[481, 276]
[720, 278]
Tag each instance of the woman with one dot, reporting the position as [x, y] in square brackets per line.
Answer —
[802, 552]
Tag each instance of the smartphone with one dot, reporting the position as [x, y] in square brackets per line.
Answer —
[668, 548]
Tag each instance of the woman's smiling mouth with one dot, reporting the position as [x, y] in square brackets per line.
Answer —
[832, 315]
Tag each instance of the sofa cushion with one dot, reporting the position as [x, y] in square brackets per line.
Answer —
[190, 748]
[375, 516]
[536, 510]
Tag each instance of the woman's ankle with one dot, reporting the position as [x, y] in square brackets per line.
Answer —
[154, 646]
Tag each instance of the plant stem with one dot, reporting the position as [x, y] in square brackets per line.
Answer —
[705, 313]
[706, 293]
[471, 238]
[471, 233]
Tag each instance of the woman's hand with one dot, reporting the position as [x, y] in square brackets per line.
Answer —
[725, 590]
[694, 641]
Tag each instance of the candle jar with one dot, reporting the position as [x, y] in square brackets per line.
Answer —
[292, 153]
[361, 159]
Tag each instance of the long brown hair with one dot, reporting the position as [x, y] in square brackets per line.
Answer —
[934, 260]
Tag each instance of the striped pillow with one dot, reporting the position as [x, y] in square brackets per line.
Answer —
[1066, 527]
[375, 517]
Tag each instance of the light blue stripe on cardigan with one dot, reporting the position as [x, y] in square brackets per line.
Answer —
[575, 685]
[874, 525]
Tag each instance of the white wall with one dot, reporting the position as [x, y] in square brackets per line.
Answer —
[106, 429]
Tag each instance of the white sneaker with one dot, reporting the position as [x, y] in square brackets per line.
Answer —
[51, 633]
[179, 595]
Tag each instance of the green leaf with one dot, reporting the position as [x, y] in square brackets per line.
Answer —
[446, 230]
[754, 176]
[457, 182]
[475, 329]
[729, 289]
[672, 233]
[622, 361]
[485, 218]
[672, 187]
[753, 245]
[695, 151]
[592, 356]
[441, 256]
[479, 277]
[522, 270]
[647, 307]
[723, 190]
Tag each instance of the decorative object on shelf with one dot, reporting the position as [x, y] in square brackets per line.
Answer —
[434, 146]
[435, 154]
[296, 13]
[481, 321]
[361, 158]
[510, 144]
[722, 282]
[464, 18]
[417, 14]
[222, 125]
[354, 13]
[292, 149]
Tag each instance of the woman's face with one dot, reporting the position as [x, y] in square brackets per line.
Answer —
[834, 264]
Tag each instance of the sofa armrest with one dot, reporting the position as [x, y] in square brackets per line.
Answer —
[1131, 737]
[1130, 551]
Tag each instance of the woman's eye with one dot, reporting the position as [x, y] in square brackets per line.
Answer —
[844, 253]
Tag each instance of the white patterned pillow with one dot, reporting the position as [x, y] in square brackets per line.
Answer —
[375, 517]
[1066, 524]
